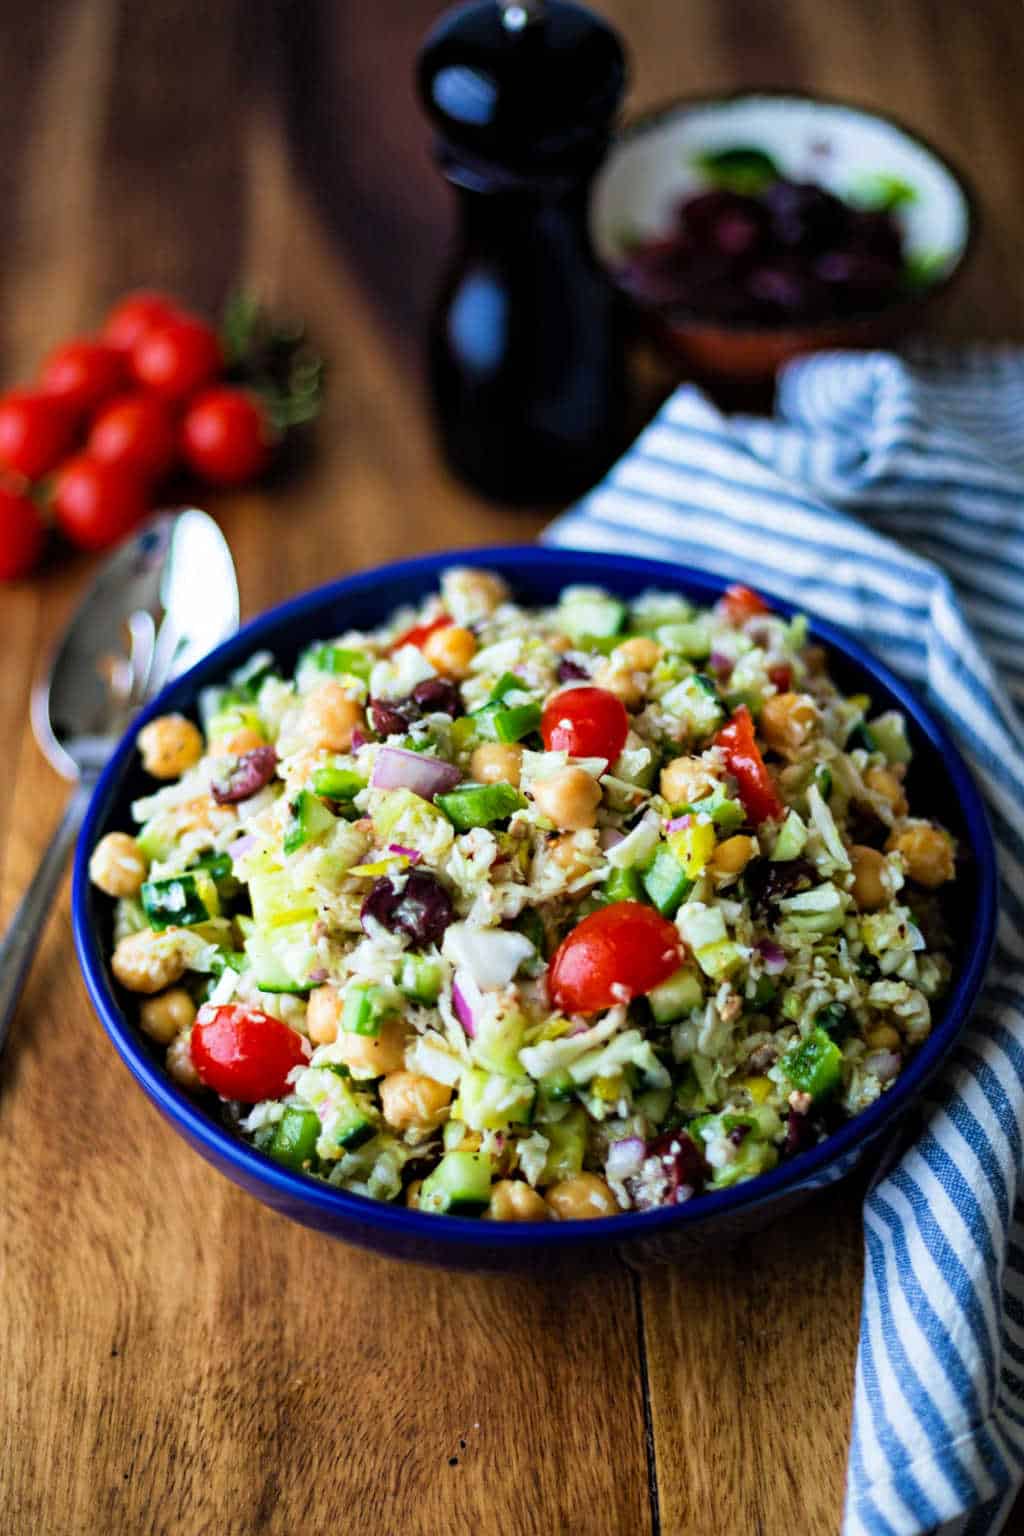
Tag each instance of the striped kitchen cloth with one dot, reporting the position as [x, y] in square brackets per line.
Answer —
[887, 494]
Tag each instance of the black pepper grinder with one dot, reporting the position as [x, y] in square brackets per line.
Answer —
[526, 349]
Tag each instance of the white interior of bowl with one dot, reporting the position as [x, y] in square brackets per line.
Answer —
[651, 169]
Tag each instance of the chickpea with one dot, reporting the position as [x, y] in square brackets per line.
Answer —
[570, 799]
[882, 781]
[495, 763]
[166, 1015]
[117, 865]
[170, 745]
[685, 780]
[883, 1038]
[871, 888]
[514, 1200]
[240, 742]
[179, 1061]
[639, 654]
[580, 1198]
[323, 1015]
[732, 856]
[148, 962]
[329, 717]
[409, 1102]
[570, 857]
[412, 1194]
[374, 1055]
[787, 720]
[927, 852]
[621, 681]
[473, 594]
[450, 650]
[559, 643]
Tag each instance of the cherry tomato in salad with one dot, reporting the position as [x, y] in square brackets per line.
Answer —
[137, 313]
[96, 503]
[22, 535]
[617, 953]
[741, 603]
[137, 432]
[744, 761]
[585, 722]
[83, 374]
[242, 1053]
[419, 633]
[177, 358]
[36, 431]
[226, 436]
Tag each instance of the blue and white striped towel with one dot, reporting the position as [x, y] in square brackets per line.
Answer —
[889, 496]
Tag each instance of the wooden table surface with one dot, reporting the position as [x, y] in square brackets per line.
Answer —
[174, 1357]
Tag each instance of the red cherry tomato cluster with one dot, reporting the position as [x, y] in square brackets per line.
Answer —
[110, 417]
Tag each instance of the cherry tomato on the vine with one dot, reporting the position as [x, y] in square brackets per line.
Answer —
[226, 436]
[22, 535]
[96, 504]
[617, 953]
[741, 603]
[420, 633]
[585, 722]
[242, 1053]
[36, 432]
[138, 432]
[137, 313]
[83, 374]
[177, 358]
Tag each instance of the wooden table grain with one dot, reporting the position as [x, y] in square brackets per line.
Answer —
[174, 1357]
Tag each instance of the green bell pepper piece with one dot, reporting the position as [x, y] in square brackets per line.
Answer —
[815, 1065]
[478, 805]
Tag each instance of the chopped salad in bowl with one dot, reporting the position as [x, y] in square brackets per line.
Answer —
[534, 913]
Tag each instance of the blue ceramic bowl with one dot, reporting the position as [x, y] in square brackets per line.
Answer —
[940, 786]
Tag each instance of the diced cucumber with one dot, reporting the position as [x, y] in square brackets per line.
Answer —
[230, 719]
[792, 839]
[701, 926]
[310, 820]
[724, 811]
[498, 1041]
[348, 1125]
[752, 1157]
[156, 839]
[282, 958]
[695, 702]
[490, 1101]
[366, 1007]
[588, 611]
[460, 1185]
[717, 960]
[478, 805]
[677, 996]
[820, 910]
[567, 1140]
[420, 978]
[666, 881]
[890, 733]
[691, 639]
[179, 902]
[295, 1137]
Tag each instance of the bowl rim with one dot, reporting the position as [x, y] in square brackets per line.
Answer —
[641, 122]
[254, 1168]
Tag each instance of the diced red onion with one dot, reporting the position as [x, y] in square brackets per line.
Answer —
[721, 664]
[412, 854]
[885, 1065]
[625, 1158]
[465, 993]
[243, 847]
[359, 739]
[577, 1029]
[397, 768]
[677, 824]
[611, 837]
[773, 955]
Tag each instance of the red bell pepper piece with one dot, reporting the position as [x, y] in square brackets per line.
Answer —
[421, 632]
[740, 603]
[743, 758]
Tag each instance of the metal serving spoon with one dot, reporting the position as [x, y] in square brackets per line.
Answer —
[161, 601]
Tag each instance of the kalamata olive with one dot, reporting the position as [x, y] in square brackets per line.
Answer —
[683, 1163]
[437, 696]
[386, 719]
[249, 775]
[801, 1133]
[421, 908]
[766, 881]
[569, 671]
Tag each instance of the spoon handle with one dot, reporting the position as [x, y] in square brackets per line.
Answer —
[21, 940]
